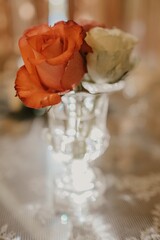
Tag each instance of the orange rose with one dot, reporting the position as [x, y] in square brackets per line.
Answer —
[53, 63]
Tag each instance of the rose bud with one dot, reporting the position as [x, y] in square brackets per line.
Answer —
[110, 58]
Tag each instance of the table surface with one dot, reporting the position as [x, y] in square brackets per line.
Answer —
[131, 206]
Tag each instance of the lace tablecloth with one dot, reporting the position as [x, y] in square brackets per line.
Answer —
[131, 206]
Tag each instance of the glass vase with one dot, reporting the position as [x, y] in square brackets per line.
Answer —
[77, 135]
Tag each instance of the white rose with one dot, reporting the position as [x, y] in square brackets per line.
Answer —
[110, 58]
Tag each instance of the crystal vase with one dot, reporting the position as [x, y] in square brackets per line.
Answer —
[77, 135]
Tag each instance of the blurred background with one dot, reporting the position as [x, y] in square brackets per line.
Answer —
[26, 174]
[139, 17]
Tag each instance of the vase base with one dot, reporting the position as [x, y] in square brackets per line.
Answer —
[69, 199]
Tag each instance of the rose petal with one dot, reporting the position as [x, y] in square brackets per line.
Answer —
[37, 30]
[54, 49]
[36, 61]
[71, 32]
[50, 76]
[30, 40]
[65, 56]
[74, 72]
[27, 53]
[111, 40]
[33, 96]
[35, 42]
